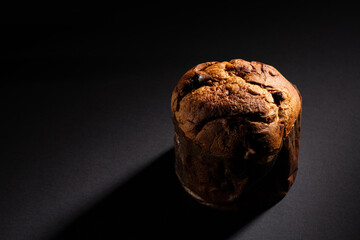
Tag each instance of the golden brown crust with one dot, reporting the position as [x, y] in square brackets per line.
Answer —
[236, 108]
[232, 183]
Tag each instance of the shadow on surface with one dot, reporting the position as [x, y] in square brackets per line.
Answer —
[153, 205]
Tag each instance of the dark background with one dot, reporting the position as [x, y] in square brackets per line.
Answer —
[86, 133]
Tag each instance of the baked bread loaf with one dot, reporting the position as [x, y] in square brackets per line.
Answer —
[237, 130]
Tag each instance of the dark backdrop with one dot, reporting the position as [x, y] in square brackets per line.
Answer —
[86, 133]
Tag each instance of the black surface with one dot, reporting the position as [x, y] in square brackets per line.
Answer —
[86, 129]
[154, 204]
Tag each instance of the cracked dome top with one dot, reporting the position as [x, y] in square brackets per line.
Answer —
[236, 108]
